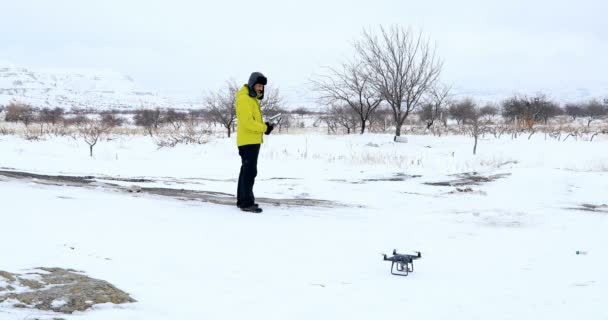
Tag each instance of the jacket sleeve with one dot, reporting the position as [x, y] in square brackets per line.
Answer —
[245, 117]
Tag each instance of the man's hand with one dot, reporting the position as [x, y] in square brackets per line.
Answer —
[269, 128]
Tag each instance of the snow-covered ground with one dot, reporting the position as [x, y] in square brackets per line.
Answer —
[504, 249]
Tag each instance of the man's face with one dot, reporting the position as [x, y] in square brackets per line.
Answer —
[258, 87]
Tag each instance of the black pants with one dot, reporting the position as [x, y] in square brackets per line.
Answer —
[249, 170]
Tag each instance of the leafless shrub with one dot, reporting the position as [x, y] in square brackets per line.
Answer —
[19, 112]
[150, 119]
[192, 129]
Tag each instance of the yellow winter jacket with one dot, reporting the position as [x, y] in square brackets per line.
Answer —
[250, 126]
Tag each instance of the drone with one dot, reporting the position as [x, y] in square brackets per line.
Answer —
[402, 264]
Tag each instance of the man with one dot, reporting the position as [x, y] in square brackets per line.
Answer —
[249, 137]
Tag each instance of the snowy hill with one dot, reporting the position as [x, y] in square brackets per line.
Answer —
[562, 95]
[100, 90]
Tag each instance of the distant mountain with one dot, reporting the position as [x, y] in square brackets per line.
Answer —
[561, 95]
[100, 90]
[109, 90]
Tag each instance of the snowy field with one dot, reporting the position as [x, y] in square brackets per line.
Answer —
[501, 249]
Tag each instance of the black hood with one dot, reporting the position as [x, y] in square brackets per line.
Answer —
[255, 78]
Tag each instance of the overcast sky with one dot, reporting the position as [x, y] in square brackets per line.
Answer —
[194, 46]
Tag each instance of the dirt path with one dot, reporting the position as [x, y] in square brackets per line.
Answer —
[139, 187]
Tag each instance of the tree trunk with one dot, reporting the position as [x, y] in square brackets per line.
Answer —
[398, 126]
[91, 150]
[475, 146]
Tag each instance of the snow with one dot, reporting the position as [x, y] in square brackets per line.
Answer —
[505, 251]
[17, 287]
[58, 303]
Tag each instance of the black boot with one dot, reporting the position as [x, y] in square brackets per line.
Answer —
[253, 208]
[255, 205]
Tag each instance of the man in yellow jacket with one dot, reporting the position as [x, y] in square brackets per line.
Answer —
[249, 137]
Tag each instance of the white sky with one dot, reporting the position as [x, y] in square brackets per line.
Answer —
[194, 46]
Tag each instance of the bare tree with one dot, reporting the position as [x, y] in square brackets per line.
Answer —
[345, 117]
[402, 67]
[478, 126]
[546, 109]
[463, 110]
[381, 120]
[574, 110]
[111, 119]
[20, 112]
[175, 119]
[75, 120]
[518, 110]
[350, 86]
[514, 109]
[301, 111]
[273, 102]
[51, 116]
[435, 107]
[221, 105]
[489, 111]
[428, 114]
[91, 130]
[476, 129]
[594, 110]
[150, 119]
[330, 122]
[526, 112]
